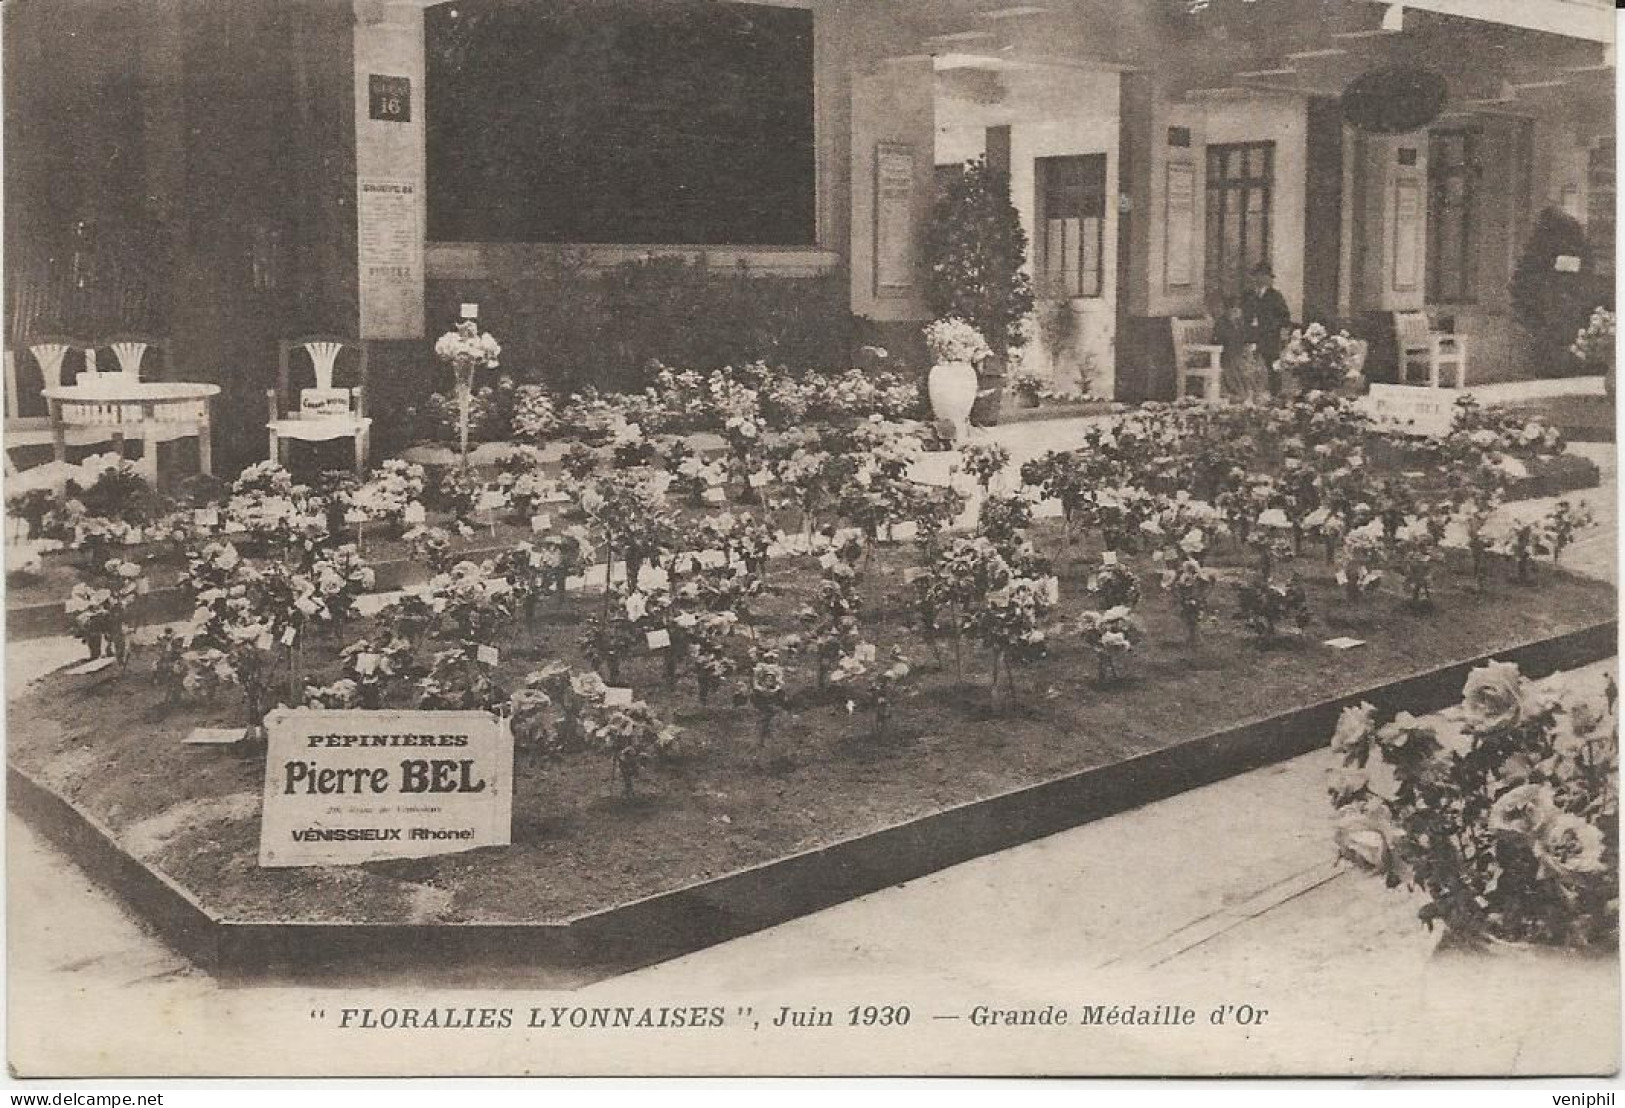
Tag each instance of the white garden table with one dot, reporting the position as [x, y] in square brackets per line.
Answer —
[124, 407]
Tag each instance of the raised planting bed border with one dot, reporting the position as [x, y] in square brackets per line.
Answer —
[682, 920]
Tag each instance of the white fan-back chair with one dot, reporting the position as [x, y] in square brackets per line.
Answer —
[50, 353]
[310, 415]
[130, 354]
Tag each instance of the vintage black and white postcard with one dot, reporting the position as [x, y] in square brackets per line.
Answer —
[814, 537]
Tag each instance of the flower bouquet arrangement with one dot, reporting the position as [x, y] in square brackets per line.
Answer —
[384, 496]
[534, 416]
[1317, 357]
[466, 349]
[1504, 812]
[952, 340]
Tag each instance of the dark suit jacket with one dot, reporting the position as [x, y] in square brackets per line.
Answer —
[1264, 315]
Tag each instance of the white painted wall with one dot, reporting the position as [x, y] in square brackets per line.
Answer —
[1052, 112]
[890, 104]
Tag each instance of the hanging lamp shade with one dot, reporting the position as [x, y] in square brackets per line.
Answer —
[1394, 100]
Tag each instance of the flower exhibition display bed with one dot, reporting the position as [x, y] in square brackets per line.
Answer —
[109, 748]
[742, 687]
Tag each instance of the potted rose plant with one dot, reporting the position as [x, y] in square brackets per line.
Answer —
[1028, 387]
[1503, 812]
[956, 349]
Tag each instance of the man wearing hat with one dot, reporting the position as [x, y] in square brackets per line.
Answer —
[1265, 316]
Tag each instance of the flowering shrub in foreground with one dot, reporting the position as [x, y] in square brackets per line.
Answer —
[1011, 623]
[1504, 811]
[1191, 586]
[1268, 607]
[873, 686]
[1110, 636]
[98, 608]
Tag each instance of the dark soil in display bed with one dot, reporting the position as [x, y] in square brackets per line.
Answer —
[110, 746]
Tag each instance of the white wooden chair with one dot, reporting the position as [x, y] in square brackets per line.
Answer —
[1432, 352]
[51, 355]
[1196, 358]
[323, 413]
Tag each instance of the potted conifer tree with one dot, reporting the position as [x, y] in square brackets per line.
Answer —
[976, 249]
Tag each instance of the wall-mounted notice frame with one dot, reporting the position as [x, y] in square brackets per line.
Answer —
[1408, 215]
[894, 230]
[390, 245]
[1179, 239]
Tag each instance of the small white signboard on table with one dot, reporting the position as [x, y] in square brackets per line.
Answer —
[1414, 408]
[343, 787]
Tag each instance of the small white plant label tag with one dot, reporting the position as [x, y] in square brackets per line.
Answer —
[214, 736]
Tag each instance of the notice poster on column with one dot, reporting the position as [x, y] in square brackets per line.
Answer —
[390, 245]
[1181, 225]
[1407, 234]
[894, 200]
